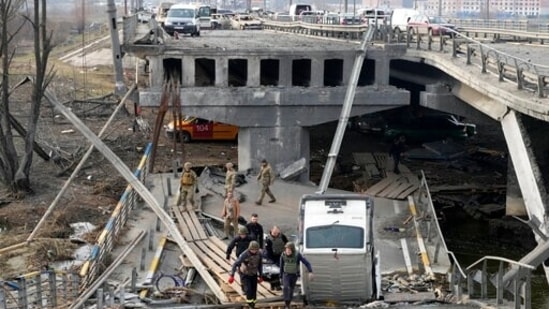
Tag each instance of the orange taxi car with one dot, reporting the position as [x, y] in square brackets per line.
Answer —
[192, 128]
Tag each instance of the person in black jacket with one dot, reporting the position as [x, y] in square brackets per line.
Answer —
[397, 148]
[241, 242]
[255, 229]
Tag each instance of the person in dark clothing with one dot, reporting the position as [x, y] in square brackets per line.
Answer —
[397, 148]
[274, 244]
[255, 229]
[241, 242]
[289, 268]
[250, 267]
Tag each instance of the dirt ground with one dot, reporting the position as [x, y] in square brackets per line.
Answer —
[96, 189]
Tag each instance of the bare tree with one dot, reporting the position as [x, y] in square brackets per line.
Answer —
[14, 167]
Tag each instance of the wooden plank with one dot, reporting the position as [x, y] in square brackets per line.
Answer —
[381, 159]
[384, 183]
[199, 227]
[385, 192]
[403, 187]
[405, 194]
[190, 225]
[181, 223]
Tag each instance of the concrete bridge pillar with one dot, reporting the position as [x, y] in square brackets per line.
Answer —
[253, 71]
[382, 67]
[285, 76]
[317, 72]
[348, 63]
[221, 72]
[156, 72]
[278, 145]
[188, 71]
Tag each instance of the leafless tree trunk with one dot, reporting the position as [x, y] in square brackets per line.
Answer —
[8, 153]
[15, 172]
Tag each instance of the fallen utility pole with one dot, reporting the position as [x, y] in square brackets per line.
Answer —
[147, 196]
[79, 166]
[345, 112]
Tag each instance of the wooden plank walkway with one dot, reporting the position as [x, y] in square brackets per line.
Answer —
[211, 252]
[394, 186]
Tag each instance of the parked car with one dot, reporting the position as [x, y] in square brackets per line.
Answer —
[431, 128]
[400, 18]
[246, 22]
[192, 128]
[350, 19]
[416, 129]
[432, 25]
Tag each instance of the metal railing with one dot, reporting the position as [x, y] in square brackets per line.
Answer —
[519, 288]
[522, 72]
[45, 289]
[98, 259]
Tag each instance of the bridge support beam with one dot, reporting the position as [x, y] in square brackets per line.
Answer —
[279, 145]
[529, 179]
[382, 71]
[514, 203]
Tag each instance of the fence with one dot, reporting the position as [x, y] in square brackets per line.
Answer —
[98, 259]
[45, 289]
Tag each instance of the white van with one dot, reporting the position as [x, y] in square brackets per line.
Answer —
[183, 18]
[335, 234]
[297, 8]
[400, 18]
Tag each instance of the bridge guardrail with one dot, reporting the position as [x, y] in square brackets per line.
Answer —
[48, 288]
[97, 261]
[524, 73]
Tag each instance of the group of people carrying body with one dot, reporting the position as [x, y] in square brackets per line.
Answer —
[252, 248]
[248, 240]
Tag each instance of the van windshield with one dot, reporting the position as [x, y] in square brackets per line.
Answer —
[181, 13]
[334, 236]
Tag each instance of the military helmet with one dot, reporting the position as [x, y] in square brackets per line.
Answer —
[254, 245]
[242, 230]
[290, 245]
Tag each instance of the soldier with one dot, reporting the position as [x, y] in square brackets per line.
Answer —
[230, 178]
[289, 268]
[230, 214]
[274, 245]
[188, 185]
[250, 267]
[266, 178]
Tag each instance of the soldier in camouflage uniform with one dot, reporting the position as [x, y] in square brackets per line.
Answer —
[266, 178]
[188, 185]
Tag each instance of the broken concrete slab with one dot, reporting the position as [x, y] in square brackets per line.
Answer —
[293, 170]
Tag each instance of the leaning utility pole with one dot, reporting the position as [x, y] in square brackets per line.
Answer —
[120, 87]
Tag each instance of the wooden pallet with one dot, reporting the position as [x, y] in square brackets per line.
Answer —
[394, 187]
